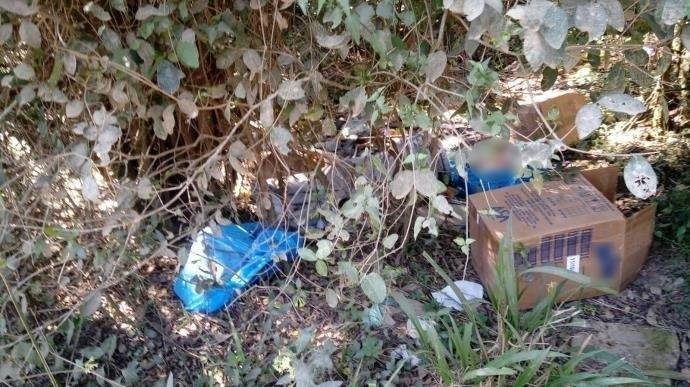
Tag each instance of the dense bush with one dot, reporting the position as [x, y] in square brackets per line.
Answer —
[127, 125]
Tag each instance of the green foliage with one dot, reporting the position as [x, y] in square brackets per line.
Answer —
[127, 126]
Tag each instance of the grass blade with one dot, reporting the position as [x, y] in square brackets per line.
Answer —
[578, 278]
[486, 372]
[512, 357]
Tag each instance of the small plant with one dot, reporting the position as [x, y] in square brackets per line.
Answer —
[512, 351]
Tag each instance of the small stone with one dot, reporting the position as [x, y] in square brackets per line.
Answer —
[655, 290]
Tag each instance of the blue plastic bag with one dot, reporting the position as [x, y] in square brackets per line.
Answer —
[220, 267]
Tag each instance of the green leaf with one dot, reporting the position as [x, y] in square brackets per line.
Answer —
[512, 357]
[168, 76]
[354, 27]
[303, 5]
[435, 65]
[374, 287]
[389, 241]
[307, 254]
[385, 9]
[417, 226]
[97, 11]
[349, 271]
[667, 374]
[569, 275]
[548, 78]
[29, 34]
[290, 90]
[91, 305]
[331, 298]
[487, 371]
[280, 138]
[402, 184]
[6, 32]
[24, 72]
[19, 7]
[93, 353]
[321, 268]
[587, 120]
[324, 248]
[187, 53]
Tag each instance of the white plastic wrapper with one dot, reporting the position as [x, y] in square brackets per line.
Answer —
[470, 290]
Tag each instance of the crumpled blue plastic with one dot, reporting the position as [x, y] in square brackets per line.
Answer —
[220, 267]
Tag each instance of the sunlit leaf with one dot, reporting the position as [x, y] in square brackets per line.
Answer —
[169, 119]
[587, 120]
[5, 32]
[672, 11]
[19, 7]
[280, 137]
[93, 302]
[456, 6]
[614, 10]
[591, 18]
[374, 287]
[29, 34]
[252, 60]
[473, 8]
[89, 187]
[402, 184]
[74, 108]
[435, 65]
[389, 241]
[333, 42]
[640, 177]
[69, 60]
[188, 107]
[24, 72]
[147, 11]
[441, 204]
[331, 298]
[290, 90]
[622, 103]
[97, 11]
[554, 26]
[145, 188]
[26, 95]
[426, 183]
[321, 268]
[266, 113]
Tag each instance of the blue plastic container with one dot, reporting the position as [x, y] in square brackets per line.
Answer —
[220, 267]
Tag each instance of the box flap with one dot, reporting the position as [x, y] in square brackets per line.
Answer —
[559, 206]
[604, 179]
[639, 232]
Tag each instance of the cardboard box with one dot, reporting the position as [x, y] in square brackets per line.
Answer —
[572, 224]
[566, 102]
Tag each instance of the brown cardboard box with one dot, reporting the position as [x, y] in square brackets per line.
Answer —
[566, 102]
[573, 224]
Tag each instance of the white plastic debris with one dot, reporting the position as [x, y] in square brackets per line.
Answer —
[424, 324]
[470, 290]
[401, 352]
